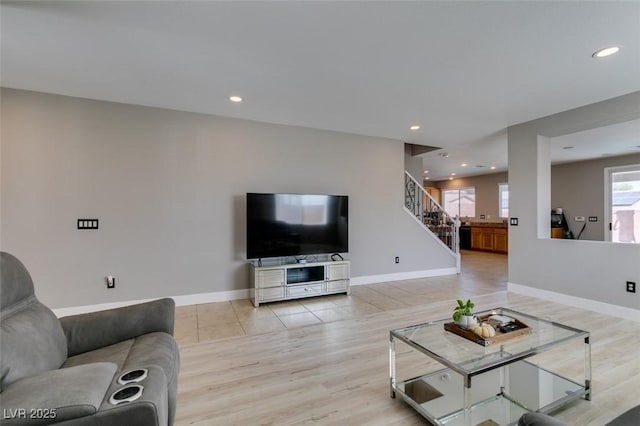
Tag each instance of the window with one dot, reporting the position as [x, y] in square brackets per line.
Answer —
[503, 199]
[623, 204]
[460, 202]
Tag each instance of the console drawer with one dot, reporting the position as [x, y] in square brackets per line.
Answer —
[337, 286]
[270, 293]
[304, 290]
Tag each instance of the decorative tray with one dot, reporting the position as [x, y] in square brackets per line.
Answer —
[500, 336]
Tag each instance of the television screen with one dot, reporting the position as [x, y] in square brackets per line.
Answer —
[296, 224]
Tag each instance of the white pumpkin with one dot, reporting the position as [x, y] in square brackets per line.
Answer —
[484, 330]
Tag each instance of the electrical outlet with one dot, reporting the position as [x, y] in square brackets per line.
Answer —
[397, 259]
[631, 286]
[111, 281]
[513, 221]
[593, 218]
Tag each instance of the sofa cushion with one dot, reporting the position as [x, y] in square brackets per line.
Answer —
[539, 419]
[31, 335]
[153, 349]
[157, 349]
[57, 395]
[628, 418]
[16, 281]
[116, 353]
[32, 342]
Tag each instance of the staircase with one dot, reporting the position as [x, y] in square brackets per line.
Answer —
[432, 217]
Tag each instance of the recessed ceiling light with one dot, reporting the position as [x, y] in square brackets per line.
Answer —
[492, 167]
[450, 178]
[453, 174]
[427, 178]
[414, 127]
[464, 165]
[235, 98]
[607, 51]
[426, 171]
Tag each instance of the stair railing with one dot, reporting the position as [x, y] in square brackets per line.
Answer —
[431, 214]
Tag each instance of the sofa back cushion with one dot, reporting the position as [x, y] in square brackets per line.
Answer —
[31, 335]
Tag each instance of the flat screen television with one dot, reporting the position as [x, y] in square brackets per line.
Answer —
[296, 224]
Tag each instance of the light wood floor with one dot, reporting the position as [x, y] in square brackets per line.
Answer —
[482, 273]
[325, 361]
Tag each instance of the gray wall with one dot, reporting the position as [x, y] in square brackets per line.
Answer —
[413, 165]
[586, 269]
[576, 187]
[168, 188]
[579, 189]
[486, 187]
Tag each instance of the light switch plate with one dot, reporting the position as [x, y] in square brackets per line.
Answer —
[87, 223]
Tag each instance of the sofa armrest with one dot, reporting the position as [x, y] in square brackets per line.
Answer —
[630, 417]
[539, 419]
[57, 395]
[86, 332]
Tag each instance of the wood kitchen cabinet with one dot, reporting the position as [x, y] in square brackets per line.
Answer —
[476, 238]
[489, 238]
[486, 242]
[500, 240]
[557, 232]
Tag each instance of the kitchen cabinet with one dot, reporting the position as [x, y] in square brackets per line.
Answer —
[500, 240]
[476, 238]
[489, 238]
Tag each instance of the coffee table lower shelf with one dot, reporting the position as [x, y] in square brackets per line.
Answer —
[498, 397]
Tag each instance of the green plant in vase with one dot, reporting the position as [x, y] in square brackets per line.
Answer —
[463, 314]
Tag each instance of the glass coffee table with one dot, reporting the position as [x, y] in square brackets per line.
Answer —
[466, 383]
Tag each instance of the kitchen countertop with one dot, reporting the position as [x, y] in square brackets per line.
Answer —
[486, 224]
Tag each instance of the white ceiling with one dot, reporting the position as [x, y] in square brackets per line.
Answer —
[464, 71]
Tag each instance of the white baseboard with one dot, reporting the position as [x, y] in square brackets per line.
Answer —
[373, 279]
[217, 296]
[182, 300]
[579, 302]
[224, 296]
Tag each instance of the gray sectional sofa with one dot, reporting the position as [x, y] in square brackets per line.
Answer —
[118, 366]
[630, 417]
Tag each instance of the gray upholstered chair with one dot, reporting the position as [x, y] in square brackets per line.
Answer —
[67, 370]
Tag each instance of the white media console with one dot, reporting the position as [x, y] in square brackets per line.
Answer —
[298, 280]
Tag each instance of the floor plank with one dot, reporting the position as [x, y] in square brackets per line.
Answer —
[336, 370]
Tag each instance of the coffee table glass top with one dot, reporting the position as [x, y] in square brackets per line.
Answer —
[470, 358]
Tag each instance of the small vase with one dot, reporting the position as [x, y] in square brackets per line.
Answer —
[466, 321]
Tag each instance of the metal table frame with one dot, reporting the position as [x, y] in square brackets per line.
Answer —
[499, 359]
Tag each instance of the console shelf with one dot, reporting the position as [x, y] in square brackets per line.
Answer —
[298, 280]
